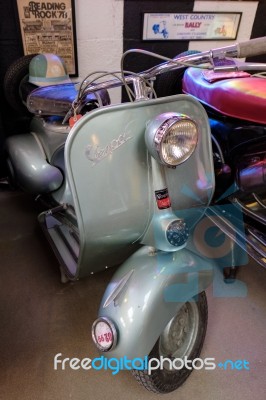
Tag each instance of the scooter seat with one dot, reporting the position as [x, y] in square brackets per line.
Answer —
[58, 99]
[242, 98]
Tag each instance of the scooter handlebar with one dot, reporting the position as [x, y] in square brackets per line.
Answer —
[249, 48]
[252, 47]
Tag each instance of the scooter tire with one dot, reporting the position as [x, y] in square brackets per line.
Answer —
[167, 380]
[16, 74]
[170, 83]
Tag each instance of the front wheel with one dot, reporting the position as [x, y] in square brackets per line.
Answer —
[182, 337]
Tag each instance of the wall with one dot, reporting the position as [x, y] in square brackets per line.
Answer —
[99, 36]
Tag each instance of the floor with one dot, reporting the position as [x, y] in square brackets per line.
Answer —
[40, 317]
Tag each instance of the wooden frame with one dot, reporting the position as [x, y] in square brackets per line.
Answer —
[49, 27]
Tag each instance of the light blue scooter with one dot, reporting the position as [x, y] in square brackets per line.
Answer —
[126, 185]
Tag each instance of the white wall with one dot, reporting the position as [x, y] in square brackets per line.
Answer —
[99, 26]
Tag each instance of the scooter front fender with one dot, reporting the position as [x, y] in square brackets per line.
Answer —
[145, 294]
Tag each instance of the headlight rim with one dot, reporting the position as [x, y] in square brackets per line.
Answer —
[161, 134]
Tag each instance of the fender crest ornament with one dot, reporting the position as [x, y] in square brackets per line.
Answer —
[96, 153]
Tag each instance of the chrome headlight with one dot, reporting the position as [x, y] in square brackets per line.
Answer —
[171, 138]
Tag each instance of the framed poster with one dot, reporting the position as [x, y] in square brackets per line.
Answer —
[191, 26]
[49, 27]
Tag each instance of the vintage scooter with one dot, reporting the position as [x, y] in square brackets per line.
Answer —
[127, 185]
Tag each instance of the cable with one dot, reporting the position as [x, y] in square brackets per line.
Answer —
[155, 55]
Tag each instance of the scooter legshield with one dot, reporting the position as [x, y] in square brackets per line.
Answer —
[109, 174]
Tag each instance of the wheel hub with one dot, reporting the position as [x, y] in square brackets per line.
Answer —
[178, 337]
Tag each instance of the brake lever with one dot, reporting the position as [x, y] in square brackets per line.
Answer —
[229, 64]
[224, 64]
[249, 66]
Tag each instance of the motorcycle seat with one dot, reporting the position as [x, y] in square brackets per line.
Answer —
[58, 99]
[242, 98]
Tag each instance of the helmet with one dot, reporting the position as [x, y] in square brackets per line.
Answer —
[47, 69]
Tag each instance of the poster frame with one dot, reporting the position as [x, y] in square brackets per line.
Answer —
[214, 38]
[21, 33]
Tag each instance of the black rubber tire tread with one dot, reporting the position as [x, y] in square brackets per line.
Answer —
[14, 76]
[162, 381]
[170, 83]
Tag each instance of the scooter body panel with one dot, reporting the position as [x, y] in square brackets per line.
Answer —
[158, 284]
[109, 174]
[29, 165]
[51, 134]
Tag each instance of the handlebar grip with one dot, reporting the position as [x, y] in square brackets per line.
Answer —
[253, 47]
